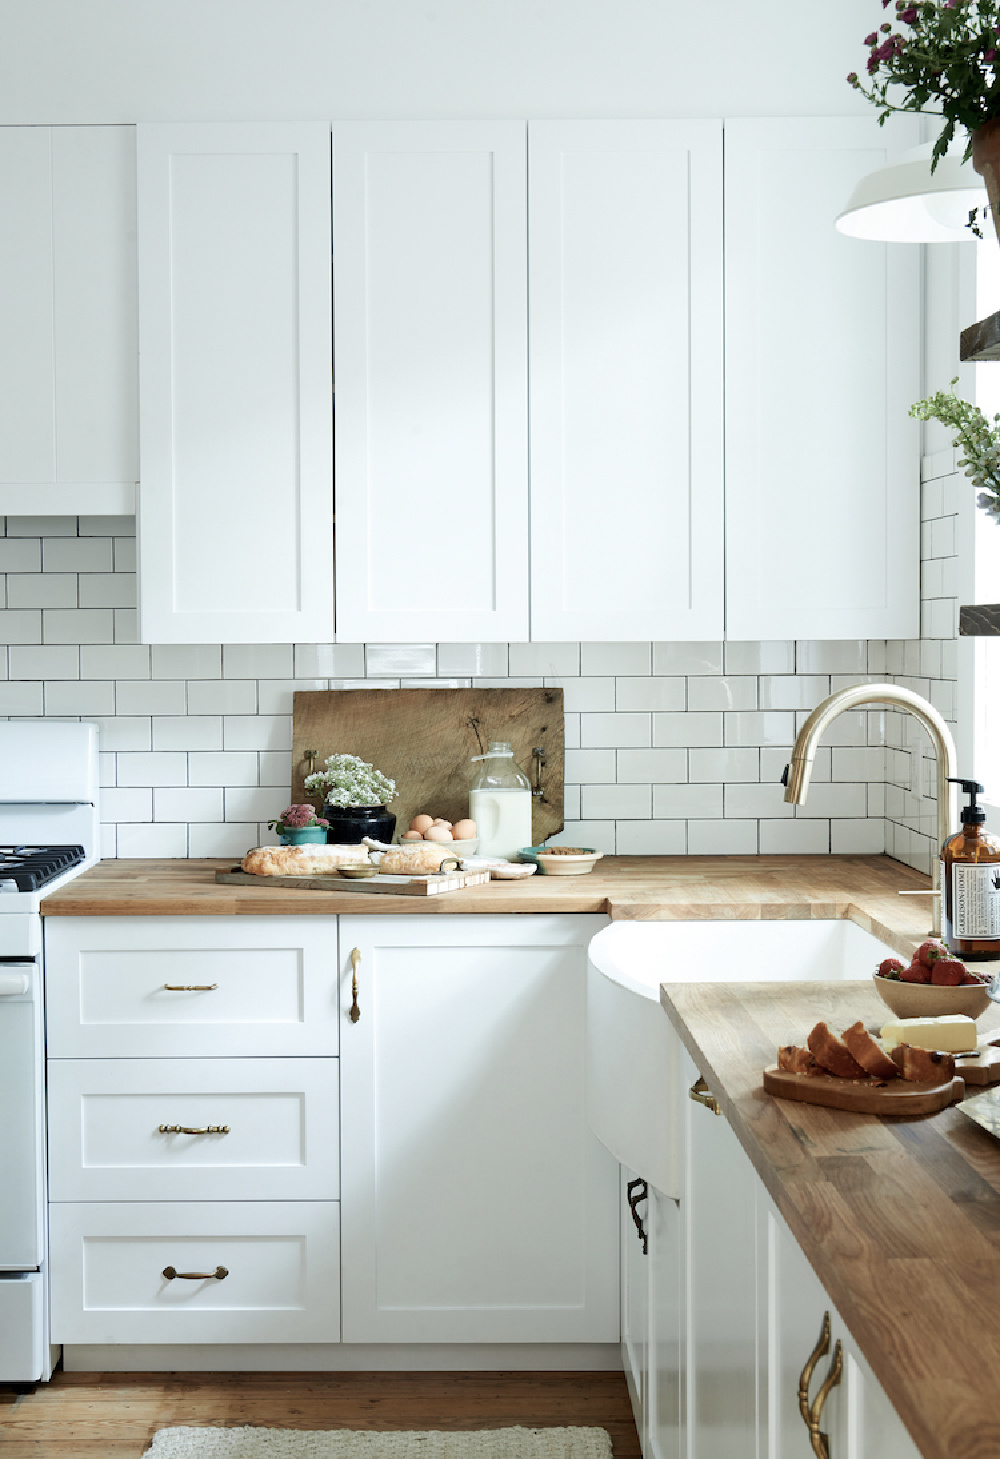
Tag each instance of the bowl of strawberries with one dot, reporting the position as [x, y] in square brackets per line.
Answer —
[933, 983]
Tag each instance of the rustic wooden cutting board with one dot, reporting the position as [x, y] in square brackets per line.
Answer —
[398, 886]
[425, 739]
[899, 1097]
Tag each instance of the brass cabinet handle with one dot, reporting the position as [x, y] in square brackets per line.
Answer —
[355, 1012]
[190, 987]
[701, 1094]
[812, 1413]
[538, 757]
[194, 1129]
[172, 1274]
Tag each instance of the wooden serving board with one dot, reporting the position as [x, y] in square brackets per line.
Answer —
[424, 739]
[398, 886]
[983, 1069]
[902, 1098]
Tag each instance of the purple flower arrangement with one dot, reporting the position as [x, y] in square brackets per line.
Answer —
[297, 818]
[942, 54]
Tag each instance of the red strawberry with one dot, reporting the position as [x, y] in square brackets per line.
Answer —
[947, 972]
[970, 980]
[890, 968]
[929, 952]
[915, 973]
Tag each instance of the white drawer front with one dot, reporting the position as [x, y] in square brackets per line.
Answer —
[22, 1327]
[191, 986]
[281, 1262]
[271, 1126]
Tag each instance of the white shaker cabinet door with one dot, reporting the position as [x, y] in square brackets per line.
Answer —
[822, 365]
[235, 525]
[68, 334]
[626, 380]
[430, 239]
[476, 1204]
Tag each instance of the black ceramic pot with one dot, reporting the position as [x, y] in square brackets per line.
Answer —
[349, 825]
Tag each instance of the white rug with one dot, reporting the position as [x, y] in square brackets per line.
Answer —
[260, 1443]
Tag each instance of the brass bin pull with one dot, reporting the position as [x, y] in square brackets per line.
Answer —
[538, 758]
[190, 987]
[701, 1094]
[194, 1129]
[172, 1274]
[355, 1012]
[812, 1413]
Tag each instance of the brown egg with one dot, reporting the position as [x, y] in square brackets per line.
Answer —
[438, 833]
[421, 823]
[440, 821]
[464, 830]
[411, 836]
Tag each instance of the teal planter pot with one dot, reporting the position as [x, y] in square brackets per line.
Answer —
[304, 836]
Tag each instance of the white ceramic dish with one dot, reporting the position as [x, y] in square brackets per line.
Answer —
[554, 864]
[928, 1000]
[456, 848]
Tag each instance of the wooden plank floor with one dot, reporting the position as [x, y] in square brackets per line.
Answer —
[114, 1415]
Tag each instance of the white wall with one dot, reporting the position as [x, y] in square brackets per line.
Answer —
[208, 60]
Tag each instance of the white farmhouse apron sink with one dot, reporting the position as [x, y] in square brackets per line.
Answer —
[634, 1084]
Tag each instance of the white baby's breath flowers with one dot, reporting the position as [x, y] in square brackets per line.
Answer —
[350, 781]
[974, 434]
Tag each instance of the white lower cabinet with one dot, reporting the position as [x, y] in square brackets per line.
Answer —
[736, 1319]
[477, 1205]
[195, 1272]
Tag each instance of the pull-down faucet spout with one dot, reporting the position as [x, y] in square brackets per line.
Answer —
[799, 769]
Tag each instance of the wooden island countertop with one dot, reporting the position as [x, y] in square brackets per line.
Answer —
[675, 888]
[900, 1218]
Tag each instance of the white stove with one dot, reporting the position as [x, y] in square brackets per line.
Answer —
[49, 830]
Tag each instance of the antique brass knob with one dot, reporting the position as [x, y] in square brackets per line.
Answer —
[701, 1094]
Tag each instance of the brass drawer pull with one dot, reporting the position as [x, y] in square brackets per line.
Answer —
[190, 987]
[701, 1094]
[355, 1012]
[194, 1129]
[812, 1413]
[172, 1274]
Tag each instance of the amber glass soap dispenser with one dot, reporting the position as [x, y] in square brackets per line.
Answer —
[970, 883]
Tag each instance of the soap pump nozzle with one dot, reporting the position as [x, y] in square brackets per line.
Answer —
[972, 814]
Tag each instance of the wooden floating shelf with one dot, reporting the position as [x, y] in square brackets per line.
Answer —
[981, 341]
[979, 620]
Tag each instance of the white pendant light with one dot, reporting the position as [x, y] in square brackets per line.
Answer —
[904, 202]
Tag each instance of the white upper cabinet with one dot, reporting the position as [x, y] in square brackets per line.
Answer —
[431, 327]
[822, 365]
[235, 531]
[68, 343]
[626, 380]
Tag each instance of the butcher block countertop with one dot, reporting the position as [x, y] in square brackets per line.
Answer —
[676, 888]
[900, 1219]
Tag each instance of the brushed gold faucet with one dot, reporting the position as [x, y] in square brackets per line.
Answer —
[799, 769]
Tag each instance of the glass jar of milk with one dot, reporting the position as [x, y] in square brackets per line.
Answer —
[500, 802]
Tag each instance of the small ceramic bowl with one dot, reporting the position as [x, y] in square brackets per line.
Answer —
[360, 872]
[927, 1000]
[556, 863]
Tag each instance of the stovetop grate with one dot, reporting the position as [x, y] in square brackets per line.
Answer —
[31, 867]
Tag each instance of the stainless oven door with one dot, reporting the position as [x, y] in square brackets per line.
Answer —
[21, 1121]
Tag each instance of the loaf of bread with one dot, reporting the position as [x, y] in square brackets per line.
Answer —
[795, 1060]
[924, 1066]
[301, 860]
[867, 1052]
[416, 858]
[833, 1054]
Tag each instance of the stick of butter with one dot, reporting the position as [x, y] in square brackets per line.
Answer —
[953, 1033]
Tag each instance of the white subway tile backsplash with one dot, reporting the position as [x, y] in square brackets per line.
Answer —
[749, 728]
[329, 661]
[732, 691]
[615, 658]
[114, 661]
[745, 801]
[473, 659]
[21, 699]
[274, 696]
[107, 590]
[651, 838]
[77, 625]
[275, 768]
[227, 840]
[857, 838]
[22, 625]
[648, 766]
[44, 661]
[187, 804]
[119, 732]
[126, 625]
[156, 841]
[859, 764]
[106, 526]
[724, 765]
[598, 835]
[257, 661]
[124, 554]
[572, 731]
[187, 661]
[187, 732]
[624, 731]
[77, 554]
[590, 695]
[156, 768]
[41, 526]
[835, 801]
[393, 660]
[722, 838]
[84, 697]
[648, 693]
[799, 691]
[687, 658]
[775, 656]
[41, 590]
[686, 802]
[257, 732]
[127, 805]
[561, 659]
[593, 767]
[152, 696]
[233, 767]
[222, 696]
[245, 803]
[794, 838]
[616, 802]
[831, 656]
[20, 554]
[687, 729]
